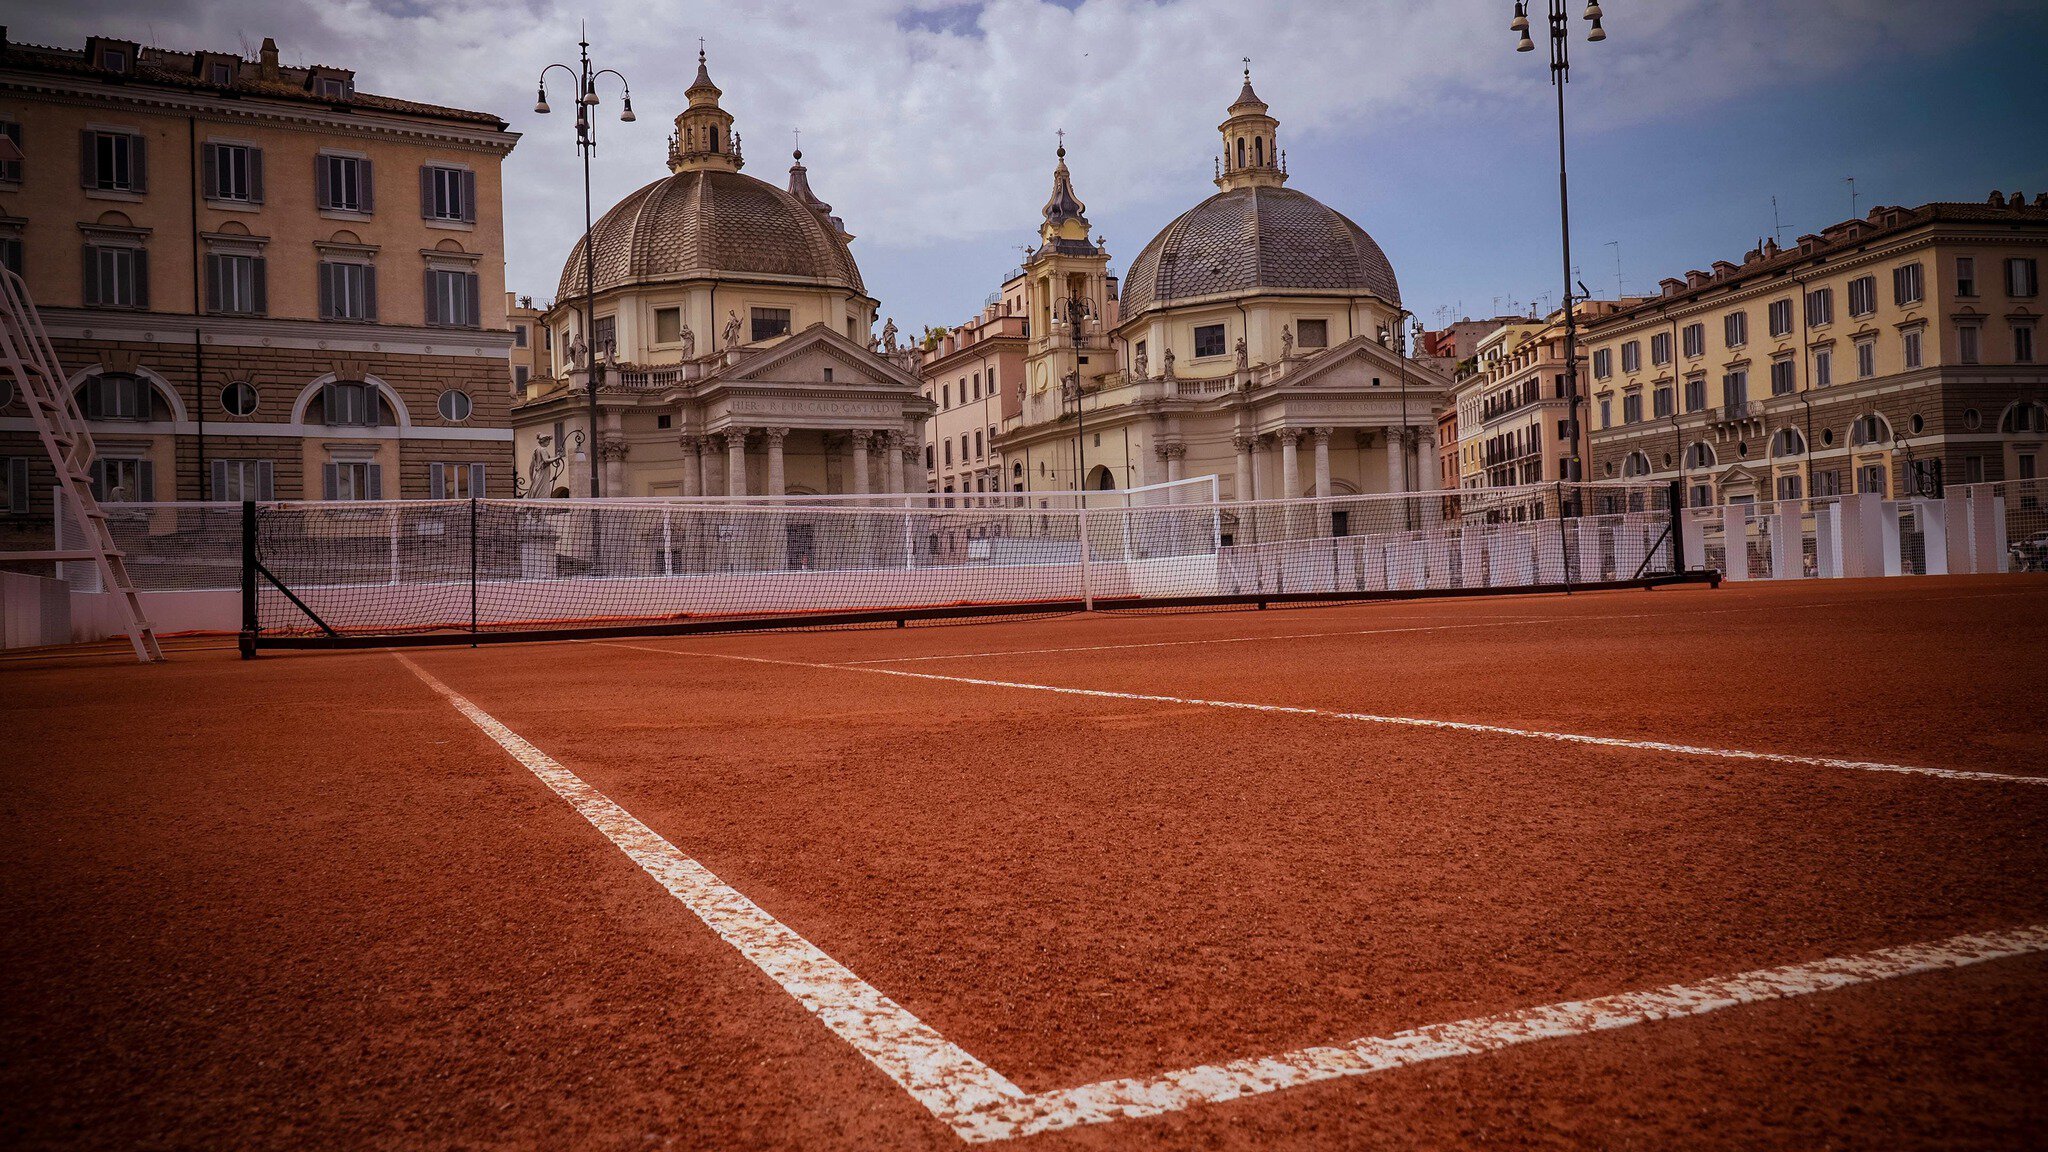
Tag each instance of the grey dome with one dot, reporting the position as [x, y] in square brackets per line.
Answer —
[1260, 238]
[708, 223]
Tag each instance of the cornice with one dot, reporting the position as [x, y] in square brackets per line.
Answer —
[264, 332]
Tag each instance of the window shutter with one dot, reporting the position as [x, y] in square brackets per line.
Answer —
[330, 481]
[369, 186]
[92, 391]
[209, 162]
[469, 197]
[220, 480]
[255, 175]
[325, 285]
[260, 279]
[433, 301]
[475, 302]
[90, 277]
[142, 277]
[376, 474]
[437, 482]
[17, 484]
[323, 187]
[99, 479]
[373, 405]
[369, 291]
[263, 475]
[88, 159]
[215, 269]
[476, 480]
[328, 402]
[138, 170]
[426, 192]
[145, 481]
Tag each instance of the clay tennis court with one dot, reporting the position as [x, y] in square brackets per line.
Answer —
[1762, 866]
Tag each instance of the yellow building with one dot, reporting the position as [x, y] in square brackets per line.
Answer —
[1513, 414]
[264, 281]
[1259, 336]
[974, 377]
[1886, 354]
[730, 329]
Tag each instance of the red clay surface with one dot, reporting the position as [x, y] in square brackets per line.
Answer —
[303, 902]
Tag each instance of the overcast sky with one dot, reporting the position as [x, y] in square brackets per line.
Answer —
[930, 126]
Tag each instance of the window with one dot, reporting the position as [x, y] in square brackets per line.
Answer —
[978, 453]
[1820, 307]
[118, 396]
[114, 59]
[116, 277]
[1966, 343]
[351, 480]
[1782, 380]
[1660, 348]
[949, 451]
[1662, 402]
[1909, 347]
[1694, 339]
[235, 284]
[350, 402]
[1700, 455]
[348, 291]
[1735, 390]
[1312, 333]
[1209, 340]
[238, 398]
[342, 183]
[1735, 329]
[1632, 356]
[1788, 442]
[605, 329]
[1827, 482]
[1870, 429]
[1866, 359]
[1780, 315]
[242, 480]
[233, 172]
[770, 323]
[452, 300]
[1863, 296]
[221, 75]
[1973, 469]
[2022, 419]
[668, 325]
[1823, 367]
[2023, 343]
[1632, 408]
[454, 405]
[447, 194]
[10, 253]
[10, 170]
[945, 397]
[1908, 285]
[519, 332]
[1788, 486]
[1603, 363]
[1871, 478]
[1966, 276]
[1696, 394]
[520, 375]
[1606, 411]
[14, 485]
[118, 480]
[2022, 277]
[455, 481]
[112, 161]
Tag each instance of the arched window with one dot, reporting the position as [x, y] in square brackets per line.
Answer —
[1100, 478]
[1870, 429]
[1240, 151]
[1635, 466]
[1700, 455]
[2024, 418]
[714, 138]
[1788, 442]
[1259, 151]
[117, 396]
[346, 402]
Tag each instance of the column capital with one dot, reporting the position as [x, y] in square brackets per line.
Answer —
[775, 436]
[1243, 441]
[1321, 435]
[691, 442]
[1286, 436]
[859, 438]
[736, 435]
[1171, 450]
[612, 448]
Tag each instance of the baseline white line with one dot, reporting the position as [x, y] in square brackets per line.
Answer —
[1371, 718]
[938, 1074]
[1212, 1083]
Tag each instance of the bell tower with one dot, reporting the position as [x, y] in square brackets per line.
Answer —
[1251, 149]
[1072, 306]
[704, 138]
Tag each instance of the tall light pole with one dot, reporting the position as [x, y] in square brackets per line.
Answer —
[586, 144]
[1078, 312]
[1560, 75]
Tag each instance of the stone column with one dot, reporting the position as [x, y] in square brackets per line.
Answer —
[776, 485]
[693, 465]
[1321, 438]
[1395, 483]
[1243, 444]
[892, 458]
[1429, 469]
[736, 461]
[860, 462]
[1290, 463]
[707, 460]
[1175, 454]
[613, 448]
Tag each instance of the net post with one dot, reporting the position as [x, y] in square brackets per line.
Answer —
[1564, 539]
[247, 640]
[472, 569]
[1087, 577]
[1677, 494]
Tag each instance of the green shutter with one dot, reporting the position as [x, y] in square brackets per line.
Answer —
[255, 175]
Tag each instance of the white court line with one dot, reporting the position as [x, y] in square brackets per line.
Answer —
[981, 1106]
[1401, 721]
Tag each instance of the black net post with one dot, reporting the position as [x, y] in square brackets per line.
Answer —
[1676, 500]
[472, 570]
[1564, 539]
[247, 642]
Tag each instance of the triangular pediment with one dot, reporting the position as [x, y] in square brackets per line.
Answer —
[804, 357]
[1354, 364]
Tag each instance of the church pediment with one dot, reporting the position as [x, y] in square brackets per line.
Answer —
[1355, 364]
[806, 357]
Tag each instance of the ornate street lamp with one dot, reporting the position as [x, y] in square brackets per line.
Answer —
[1077, 312]
[1560, 75]
[586, 144]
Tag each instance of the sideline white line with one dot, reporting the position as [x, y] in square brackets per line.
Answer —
[937, 1073]
[1401, 721]
[981, 1106]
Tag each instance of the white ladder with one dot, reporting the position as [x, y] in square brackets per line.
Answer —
[27, 355]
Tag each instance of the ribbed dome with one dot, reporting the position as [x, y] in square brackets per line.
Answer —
[711, 223]
[1257, 238]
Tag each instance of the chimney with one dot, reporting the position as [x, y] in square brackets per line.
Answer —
[267, 60]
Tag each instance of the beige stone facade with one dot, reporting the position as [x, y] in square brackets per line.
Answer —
[974, 378]
[263, 281]
[1885, 354]
[1511, 401]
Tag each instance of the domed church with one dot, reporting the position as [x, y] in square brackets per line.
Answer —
[1257, 337]
[730, 331]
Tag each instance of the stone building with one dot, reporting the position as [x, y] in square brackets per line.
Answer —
[263, 281]
[1259, 336]
[1513, 414]
[965, 371]
[730, 333]
[1885, 354]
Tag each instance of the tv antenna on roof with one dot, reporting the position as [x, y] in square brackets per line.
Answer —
[1777, 229]
[1851, 182]
[1616, 245]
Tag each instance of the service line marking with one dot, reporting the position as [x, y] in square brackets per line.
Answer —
[981, 1106]
[1399, 721]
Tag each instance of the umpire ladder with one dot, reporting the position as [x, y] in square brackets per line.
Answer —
[29, 357]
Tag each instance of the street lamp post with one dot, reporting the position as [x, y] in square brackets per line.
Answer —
[1078, 311]
[1560, 75]
[586, 144]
